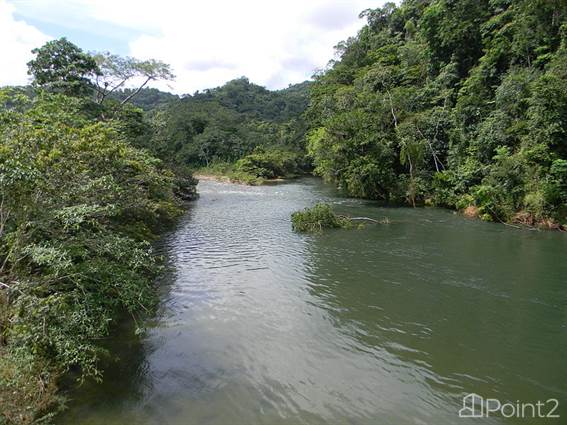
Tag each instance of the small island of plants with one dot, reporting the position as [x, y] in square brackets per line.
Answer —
[317, 218]
[321, 216]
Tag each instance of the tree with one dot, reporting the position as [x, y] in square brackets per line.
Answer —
[117, 71]
[62, 67]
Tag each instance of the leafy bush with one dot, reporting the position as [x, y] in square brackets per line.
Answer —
[227, 171]
[78, 208]
[269, 164]
[27, 389]
[255, 168]
[317, 218]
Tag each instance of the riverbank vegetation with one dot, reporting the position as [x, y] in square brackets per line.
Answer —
[80, 204]
[263, 164]
[450, 103]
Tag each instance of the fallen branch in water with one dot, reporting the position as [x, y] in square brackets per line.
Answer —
[360, 218]
[503, 222]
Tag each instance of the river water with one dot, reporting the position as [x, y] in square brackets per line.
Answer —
[392, 324]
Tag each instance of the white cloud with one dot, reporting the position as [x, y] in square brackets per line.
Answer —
[18, 39]
[272, 42]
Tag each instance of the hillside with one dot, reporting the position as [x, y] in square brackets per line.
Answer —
[228, 122]
[451, 103]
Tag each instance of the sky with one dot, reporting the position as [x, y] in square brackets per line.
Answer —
[207, 42]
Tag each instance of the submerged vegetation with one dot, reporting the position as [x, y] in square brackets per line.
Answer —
[451, 103]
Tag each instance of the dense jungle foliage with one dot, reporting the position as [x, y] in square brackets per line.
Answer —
[458, 103]
[79, 206]
[218, 127]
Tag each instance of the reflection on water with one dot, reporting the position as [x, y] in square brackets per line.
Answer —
[392, 324]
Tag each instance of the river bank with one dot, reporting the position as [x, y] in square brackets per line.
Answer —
[228, 178]
[521, 220]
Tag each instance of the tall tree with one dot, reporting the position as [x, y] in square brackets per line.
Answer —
[116, 72]
[62, 67]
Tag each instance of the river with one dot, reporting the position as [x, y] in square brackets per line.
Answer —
[391, 324]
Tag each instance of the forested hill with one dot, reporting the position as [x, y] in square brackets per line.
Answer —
[459, 103]
[220, 126]
[240, 95]
[147, 98]
[255, 101]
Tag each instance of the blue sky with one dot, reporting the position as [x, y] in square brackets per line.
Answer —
[112, 37]
[274, 43]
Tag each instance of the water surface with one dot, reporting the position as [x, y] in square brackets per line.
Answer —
[392, 324]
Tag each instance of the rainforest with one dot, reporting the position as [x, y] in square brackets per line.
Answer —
[150, 273]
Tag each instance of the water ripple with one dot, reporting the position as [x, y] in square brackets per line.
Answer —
[391, 324]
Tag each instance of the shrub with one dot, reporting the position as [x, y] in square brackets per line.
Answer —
[79, 208]
[317, 218]
[269, 164]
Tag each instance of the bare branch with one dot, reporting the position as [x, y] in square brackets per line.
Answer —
[136, 92]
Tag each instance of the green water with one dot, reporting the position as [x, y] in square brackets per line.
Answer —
[392, 324]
